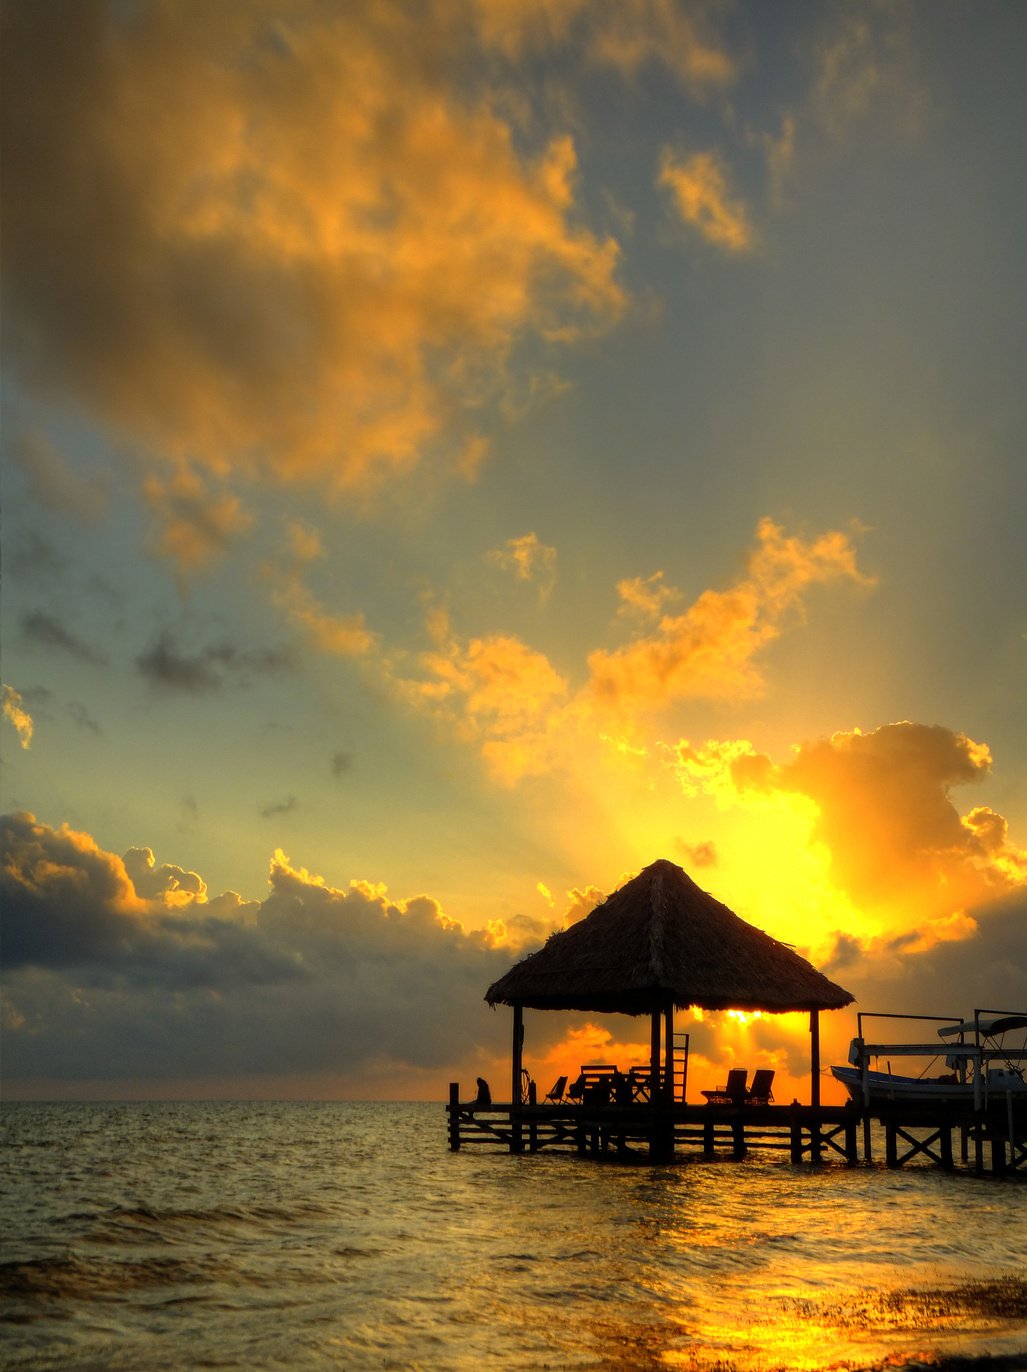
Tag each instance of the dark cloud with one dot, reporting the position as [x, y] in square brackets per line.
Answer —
[341, 763]
[279, 807]
[119, 968]
[48, 631]
[986, 970]
[167, 667]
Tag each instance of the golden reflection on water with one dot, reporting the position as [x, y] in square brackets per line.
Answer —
[770, 1279]
[814, 1334]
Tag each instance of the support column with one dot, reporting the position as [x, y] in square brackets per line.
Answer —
[668, 1031]
[814, 1055]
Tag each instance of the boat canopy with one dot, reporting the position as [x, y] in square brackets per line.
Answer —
[988, 1026]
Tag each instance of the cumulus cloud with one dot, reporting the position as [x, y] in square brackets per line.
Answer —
[298, 244]
[126, 970]
[529, 559]
[16, 715]
[985, 969]
[123, 968]
[701, 195]
[882, 810]
[495, 690]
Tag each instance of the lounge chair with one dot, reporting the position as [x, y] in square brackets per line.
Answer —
[759, 1093]
[555, 1096]
[734, 1093]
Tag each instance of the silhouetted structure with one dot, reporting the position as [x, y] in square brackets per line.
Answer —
[657, 943]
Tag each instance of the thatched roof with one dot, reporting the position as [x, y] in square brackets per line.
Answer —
[661, 938]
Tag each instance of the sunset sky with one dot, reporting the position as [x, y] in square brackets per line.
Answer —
[457, 453]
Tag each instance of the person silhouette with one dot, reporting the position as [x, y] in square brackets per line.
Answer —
[484, 1096]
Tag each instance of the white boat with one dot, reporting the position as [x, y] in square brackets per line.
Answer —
[981, 1066]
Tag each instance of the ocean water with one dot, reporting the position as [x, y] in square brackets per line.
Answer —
[342, 1235]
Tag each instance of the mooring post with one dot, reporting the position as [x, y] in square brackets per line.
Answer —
[795, 1127]
[738, 1136]
[708, 1137]
[851, 1156]
[517, 1055]
[454, 1116]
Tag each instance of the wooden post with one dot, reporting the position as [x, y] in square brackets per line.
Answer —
[668, 1018]
[454, 1116]
[814, 1065]
[708, 1137]
[795, 1130]
[945, 1145]
[515, 1079]
[655, 1092]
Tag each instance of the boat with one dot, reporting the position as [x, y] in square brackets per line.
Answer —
[981, 1065]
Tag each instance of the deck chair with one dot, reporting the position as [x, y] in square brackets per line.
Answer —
[555, 1096]
[733, 1093]
[759, 1093]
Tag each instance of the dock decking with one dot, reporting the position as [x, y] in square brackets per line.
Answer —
[992, 1141]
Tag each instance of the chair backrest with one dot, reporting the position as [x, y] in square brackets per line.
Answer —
[556, 1094]
[736, 1081]
[762, 1080]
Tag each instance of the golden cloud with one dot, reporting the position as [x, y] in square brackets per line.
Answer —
[881, 810]
[15, 713]
[342, 635]
[291, 241]
[627, 36]
[701, 195]
[196, 526]
[511, 701]
[529, 559]
[709, 650]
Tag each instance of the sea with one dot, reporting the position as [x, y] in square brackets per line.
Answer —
[347, 1235]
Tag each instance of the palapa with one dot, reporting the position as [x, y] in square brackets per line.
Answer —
[660, 940]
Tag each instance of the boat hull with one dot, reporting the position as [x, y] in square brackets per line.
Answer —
[887, 1089]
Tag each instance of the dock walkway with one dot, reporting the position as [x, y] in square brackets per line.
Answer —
[992, 1141]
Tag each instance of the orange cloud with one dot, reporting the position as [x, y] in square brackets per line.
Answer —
[344, 635]
[196, 526]
[297, 244]
[709, 650]
[627, 36]
[880, 809]
[530, 560]
[16, 715]
[700, 192]
[509, 699]
[494, 690]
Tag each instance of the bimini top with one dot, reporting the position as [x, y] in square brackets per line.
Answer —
[989, 1025]
[660, 938]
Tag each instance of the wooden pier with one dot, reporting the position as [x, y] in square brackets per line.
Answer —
[991, 1141]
